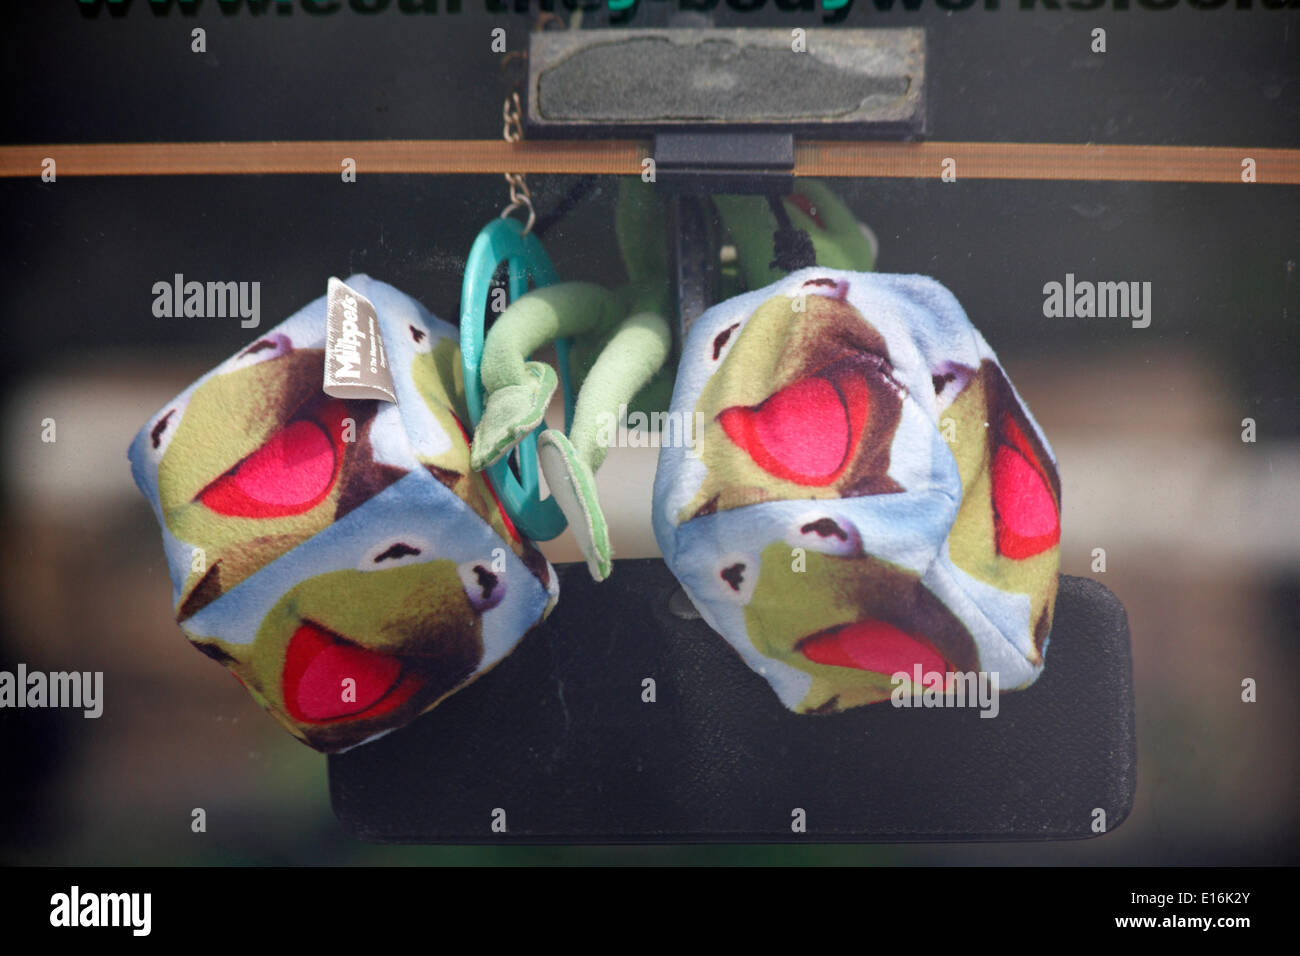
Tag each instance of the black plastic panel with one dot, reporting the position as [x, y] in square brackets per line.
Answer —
[559, 738]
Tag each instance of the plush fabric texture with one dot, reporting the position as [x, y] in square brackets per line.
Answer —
[339, 556]
[865, 494]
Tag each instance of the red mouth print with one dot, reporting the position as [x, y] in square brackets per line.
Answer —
[317, 663]
[876, 646]
[292, 472]
[809, 431]
[1028, 522]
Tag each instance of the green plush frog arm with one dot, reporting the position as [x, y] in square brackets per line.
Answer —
[631, 352]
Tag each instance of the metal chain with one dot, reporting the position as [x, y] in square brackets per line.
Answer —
[513, 132]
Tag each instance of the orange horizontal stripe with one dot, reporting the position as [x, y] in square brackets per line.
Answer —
[1046, 161]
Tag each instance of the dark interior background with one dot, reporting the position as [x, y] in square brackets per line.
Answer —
[1200, 528]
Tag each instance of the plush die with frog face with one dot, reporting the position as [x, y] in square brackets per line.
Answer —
[866, 495]
[338, 555]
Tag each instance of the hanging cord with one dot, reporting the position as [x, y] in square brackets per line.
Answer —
[513, 132]
[577, 192]
[793, 247]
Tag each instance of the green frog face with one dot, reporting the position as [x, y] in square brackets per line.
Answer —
[857, 620]
[804, 406]
[348, 654]
[258, 459]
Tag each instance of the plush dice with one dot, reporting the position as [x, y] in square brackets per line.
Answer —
[865, 505]
[340, 556]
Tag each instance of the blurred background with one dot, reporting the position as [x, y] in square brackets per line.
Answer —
[1201, 530]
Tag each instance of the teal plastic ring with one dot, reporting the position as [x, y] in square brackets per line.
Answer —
[528, 266]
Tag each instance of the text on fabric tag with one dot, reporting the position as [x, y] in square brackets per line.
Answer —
[356, 365]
